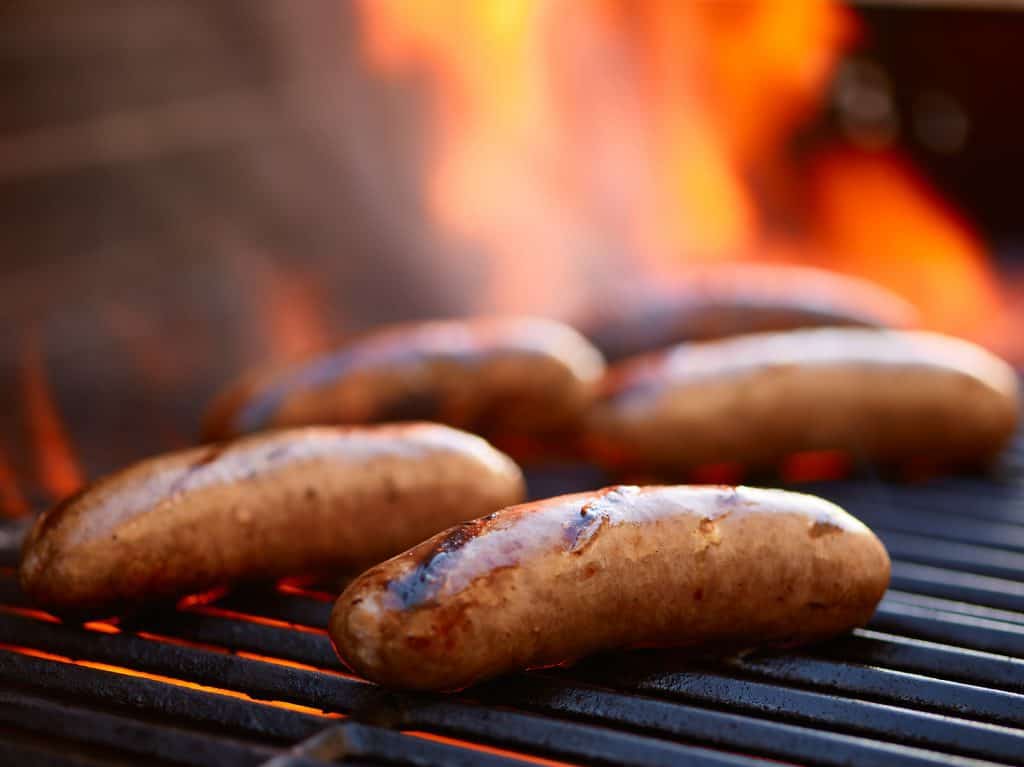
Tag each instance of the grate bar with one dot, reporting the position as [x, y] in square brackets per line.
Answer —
[998, 593]
[117, 691]
[856, 716]
[769, 738]
[895, 597]
[963, 630]
[95, 728]
[886, 685]
[929, 658]
[982, 560]
[271, 682]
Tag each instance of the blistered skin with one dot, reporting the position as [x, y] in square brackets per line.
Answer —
[548, 582]
[289, 502]
[881, 396]
[494, 376]
[729, 300]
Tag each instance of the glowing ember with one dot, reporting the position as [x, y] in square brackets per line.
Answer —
[32, 652]
[486, 749]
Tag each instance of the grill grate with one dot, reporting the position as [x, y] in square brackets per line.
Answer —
[250, 678]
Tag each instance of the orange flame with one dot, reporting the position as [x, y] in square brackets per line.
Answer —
[876, 217]
[12, 502]
[577, 145]
[58, 469]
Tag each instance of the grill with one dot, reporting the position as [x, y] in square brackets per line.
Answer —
[249, 677]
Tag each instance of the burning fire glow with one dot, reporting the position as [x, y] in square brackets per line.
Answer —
[575, 145]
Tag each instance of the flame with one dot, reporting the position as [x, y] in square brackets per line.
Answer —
[576, 145]
[12, 502]
[876, 217]
[58, 469]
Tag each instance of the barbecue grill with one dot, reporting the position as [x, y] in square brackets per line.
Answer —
[249, 677]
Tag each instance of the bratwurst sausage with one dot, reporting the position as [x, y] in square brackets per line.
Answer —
[882, 396]
[288, 502]
[494, 376]
[547, 582]
[728, 300]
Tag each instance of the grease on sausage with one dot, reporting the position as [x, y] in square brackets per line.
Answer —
[882, 396]
[494, 376]
[548, 582]
[288, 502]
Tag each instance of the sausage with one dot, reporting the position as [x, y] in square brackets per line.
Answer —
[495, 376]
[289, 502]
[732, 300]
[548, 582]
[884, 397]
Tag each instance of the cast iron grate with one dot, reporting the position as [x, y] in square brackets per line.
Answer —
[250, 678]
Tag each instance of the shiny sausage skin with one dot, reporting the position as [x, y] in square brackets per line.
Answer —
[728, 300]
[882, 396]
[494, 376]
[287, 502]
[548, 582]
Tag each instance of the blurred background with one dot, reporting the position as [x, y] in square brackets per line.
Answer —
[191, 188]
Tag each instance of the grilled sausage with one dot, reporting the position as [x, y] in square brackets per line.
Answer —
[494, 376]
[293, 501]
[548, 582]
[744, 298]
[882, 396]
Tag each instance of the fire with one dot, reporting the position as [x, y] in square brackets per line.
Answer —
[875, 216]
[12, 502]
[577, 145]
[58, 469]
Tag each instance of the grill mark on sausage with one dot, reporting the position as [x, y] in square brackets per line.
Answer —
[421, 584]
[823, 527]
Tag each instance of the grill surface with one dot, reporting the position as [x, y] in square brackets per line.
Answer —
[250, 678]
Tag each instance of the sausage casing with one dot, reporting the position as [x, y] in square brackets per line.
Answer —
[287, 502]
[493, 376]
[882, 396]
[548, 582]
[729, 300]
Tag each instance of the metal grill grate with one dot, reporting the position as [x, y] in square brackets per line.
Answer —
[250, 679]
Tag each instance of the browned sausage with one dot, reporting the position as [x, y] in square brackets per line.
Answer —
[295, 501]
[728, 300]
[549, 582]
[882, 396]
[495, 376]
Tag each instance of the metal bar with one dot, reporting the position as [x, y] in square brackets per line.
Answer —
[328, 691]
[96, 728]
[886, 685]
[25, 755]
[883, 721]
[930, 658]
[895, 597]
[117, 691]
[949, 627]
[727, 730]
[352, 739]
[964, 587]
[982, 560]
